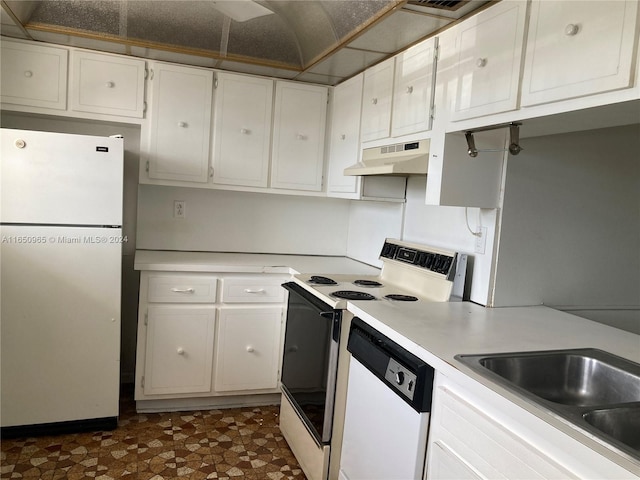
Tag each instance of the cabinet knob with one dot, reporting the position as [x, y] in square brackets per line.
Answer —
[571, 29]
[343, 136]
[410, 89]
[374, 101]
[245, 131]
[28, 73]
[300, 136]
[481, 62]
[250, 349]
[180, 351]
[109, 84]
[182, 124]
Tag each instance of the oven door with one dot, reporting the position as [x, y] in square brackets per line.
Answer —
[310, 360]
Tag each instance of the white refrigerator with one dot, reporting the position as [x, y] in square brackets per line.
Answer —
[60, 281]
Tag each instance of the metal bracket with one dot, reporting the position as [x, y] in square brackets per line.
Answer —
[514, 139]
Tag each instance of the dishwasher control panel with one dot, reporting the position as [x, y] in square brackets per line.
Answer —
[401, 378]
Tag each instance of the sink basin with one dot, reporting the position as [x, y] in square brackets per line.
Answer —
[592, 389]
[621, 423]
[583, 377]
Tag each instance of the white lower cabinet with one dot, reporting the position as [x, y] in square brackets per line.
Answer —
[212, 339]
[476, 433]
[179, 350]
[248, 350]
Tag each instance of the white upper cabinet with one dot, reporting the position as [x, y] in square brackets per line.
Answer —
[376, 101]
[298, 136]
[34, 75]
[242, 130]
[344, 140]
[413, 89]
[490, 48]
[180, 123]
[578, 48]
[107, 84]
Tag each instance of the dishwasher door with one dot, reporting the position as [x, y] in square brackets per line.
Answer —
[387, 411]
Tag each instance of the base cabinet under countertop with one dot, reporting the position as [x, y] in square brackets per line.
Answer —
[208, 340]
[476, 434]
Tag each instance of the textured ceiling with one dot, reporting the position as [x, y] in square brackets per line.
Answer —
[321, 41]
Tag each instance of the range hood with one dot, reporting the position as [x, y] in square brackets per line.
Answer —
[410, 158]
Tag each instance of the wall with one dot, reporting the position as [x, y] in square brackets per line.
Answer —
[130, 278]
[228, 221]
[571, 226]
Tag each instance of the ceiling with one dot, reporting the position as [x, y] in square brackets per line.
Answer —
[317, 41]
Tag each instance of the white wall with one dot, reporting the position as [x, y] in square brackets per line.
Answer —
[369, 224]
[446, 227]
[228, 221]
[571, 225]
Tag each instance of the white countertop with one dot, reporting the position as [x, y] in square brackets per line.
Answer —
[436, 332]
[174, 261]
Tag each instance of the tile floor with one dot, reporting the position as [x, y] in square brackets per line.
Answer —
[238, 443]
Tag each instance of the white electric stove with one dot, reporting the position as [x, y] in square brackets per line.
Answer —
[411, 274]
[316, 362]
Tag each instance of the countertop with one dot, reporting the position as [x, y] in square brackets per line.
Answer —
[436, 332]
[175, 261]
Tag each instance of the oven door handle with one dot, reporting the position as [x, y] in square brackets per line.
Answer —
[336, 317]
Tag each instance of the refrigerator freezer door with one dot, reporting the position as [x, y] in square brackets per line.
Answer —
[52, 178]
[59, 324]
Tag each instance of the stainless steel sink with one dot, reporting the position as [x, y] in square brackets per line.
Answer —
[596, 391]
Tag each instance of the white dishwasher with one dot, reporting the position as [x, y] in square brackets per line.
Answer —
[387, 412]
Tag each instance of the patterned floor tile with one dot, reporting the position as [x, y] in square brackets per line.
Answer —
[229, 444]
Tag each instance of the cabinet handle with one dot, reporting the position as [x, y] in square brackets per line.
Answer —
[410, 89]
[109, 84]
[182, 124]
[301, 136]
[245, 131]
[28, 73]
[571, 29]
[481, 62]
[251, 290]
[250, 349]
[183, 290]
[374, 101]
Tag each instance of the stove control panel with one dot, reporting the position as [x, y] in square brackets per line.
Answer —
[437, 262]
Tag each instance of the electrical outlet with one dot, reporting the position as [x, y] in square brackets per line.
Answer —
[481, 240]
[179, 209]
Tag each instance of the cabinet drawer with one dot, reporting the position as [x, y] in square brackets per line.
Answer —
[252, 290]
[182, 289]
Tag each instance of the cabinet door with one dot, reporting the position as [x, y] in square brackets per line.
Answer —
[376, 101]
[248, 348]
[180, 123]
[578, 48]
[298, 136]
[413, 89]
[242, 130]
[179, 350]
[490, 54]
[34, 75]
[344, 142]
[107, 84]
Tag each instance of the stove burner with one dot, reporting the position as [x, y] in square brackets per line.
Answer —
[367, 283]
[353, 295]
[318, 280]
[401, 298]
